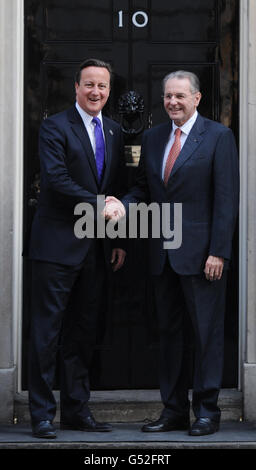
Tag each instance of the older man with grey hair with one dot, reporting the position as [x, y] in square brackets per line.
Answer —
[193, 161]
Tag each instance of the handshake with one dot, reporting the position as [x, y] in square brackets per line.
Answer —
[114, 210]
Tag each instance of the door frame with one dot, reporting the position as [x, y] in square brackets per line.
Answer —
[17, 281]
[243, 153]
[17, 277]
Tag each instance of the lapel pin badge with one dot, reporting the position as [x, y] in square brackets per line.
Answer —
[111, 132]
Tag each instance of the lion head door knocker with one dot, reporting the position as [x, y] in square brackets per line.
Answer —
[131, 108]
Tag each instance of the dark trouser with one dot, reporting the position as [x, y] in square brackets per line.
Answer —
[64, 311]
[204, 301]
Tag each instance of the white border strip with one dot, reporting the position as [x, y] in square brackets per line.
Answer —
[243, 151]
[18, 197]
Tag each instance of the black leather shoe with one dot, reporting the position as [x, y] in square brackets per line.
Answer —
[203, 426]
[166, 424]
[87, 424]
[44, 429]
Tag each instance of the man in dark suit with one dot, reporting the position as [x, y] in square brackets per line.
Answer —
[80, 158]
[193, 161]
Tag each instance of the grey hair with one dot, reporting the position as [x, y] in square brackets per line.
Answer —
[193, 78]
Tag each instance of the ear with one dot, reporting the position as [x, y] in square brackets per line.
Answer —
[198, 97]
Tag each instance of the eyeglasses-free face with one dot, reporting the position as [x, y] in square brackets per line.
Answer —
[93, 90]
[179, 102]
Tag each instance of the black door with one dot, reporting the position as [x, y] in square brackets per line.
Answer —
[144, 40]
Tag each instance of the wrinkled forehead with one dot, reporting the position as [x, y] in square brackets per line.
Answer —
[178, 85]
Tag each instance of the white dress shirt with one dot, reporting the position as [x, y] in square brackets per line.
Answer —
[89, 125]
[185, 130]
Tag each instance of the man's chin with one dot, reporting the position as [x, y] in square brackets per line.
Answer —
[176, 116]
[93, 111]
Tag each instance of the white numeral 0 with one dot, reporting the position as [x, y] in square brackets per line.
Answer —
[134, 19]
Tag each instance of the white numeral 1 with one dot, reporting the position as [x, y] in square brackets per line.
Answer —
[120, 16]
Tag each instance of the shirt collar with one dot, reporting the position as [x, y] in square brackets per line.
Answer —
[87, 118]
[186, 128]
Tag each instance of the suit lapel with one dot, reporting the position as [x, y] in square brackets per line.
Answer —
[193, 140]
[79, 129]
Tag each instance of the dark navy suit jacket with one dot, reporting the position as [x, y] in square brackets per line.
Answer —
[68, 177]
[205, 179]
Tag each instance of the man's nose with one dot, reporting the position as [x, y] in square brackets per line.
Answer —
[95, 89]
[173, 99]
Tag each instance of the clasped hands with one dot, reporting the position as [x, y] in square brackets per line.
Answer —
[114, 209]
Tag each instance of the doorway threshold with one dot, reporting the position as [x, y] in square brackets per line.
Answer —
[130, 406]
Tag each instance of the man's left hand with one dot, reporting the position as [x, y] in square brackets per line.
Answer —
[213, 268]
[117, 258]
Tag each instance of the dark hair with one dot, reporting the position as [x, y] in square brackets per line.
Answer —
[92, 63]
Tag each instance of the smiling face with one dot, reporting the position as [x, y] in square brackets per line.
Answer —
[93, 90]
[179, 101]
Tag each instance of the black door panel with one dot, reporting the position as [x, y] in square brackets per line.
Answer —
[143, 40]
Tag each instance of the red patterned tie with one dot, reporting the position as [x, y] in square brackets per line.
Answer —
[174, 152]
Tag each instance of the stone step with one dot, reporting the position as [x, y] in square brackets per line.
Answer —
[125, 436]
[131, 406]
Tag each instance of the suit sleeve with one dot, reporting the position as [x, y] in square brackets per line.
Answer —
[120, 186]
[226, 195]
[54, 171]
